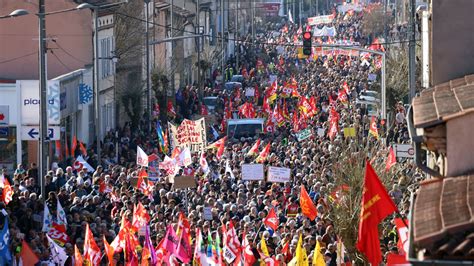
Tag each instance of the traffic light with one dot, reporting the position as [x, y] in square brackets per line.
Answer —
[307, 43]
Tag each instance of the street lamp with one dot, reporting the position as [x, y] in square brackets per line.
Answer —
[16, 13]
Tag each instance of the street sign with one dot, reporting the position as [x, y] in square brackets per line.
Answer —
[404, 150]
[4, 115]
[32, 133]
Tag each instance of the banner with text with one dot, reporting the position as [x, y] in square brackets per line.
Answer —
[278, 174]
[190, 134]
[312, 21]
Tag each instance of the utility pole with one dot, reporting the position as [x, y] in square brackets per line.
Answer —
[172, 44]
[252, 3]
[222, 42]
[411, 52]
[299, 12]
[43, 143]
[96, 84]
[147, 52]
[198, 23]
[236, 38]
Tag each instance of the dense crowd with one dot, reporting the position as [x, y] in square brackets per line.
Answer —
[104, 200]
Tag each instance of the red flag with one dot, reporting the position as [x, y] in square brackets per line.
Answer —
[204, 110]
[73, 146]
[254, 148]
[272, 220]
[28, 257]
[232, 243]
[109, 251]
[391, 160]
[402, 235]
[78, 260]
[307, 205]
[220, 146]
[376, 205]
[269, 126]
[396, 259]
[247, 110]
[296, 125]
[58, 150]
[140, 217]
[92, 254]
[262, 157]
[83, 149]
[67, 148]
[248, 257]
[333, 129]
[170, 109]
[7, 192]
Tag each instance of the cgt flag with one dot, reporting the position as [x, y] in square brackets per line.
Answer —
[376, 205]
[307, 205]
[272, 220]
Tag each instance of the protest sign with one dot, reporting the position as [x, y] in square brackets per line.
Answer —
[184, 182]
[303, 134]
[207, 213]
[189, 134]
[349, 132]
[250, 92]
[321, 132]
[278, 174]
[252, 172]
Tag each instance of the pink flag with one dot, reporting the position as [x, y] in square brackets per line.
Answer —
[170, 243]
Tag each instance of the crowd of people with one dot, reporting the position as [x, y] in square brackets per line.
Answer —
[319, 93]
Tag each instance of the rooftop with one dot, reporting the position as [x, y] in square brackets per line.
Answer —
[443, 218]
[443, 102]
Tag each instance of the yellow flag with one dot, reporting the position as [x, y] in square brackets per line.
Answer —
[300, 259]
[263, 247]
[318, 259]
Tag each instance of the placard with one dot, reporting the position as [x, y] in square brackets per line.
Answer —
[278, 174]
[303, 134]
[250, 92]
[181, 182]
[190, 134]
[321, 132]
[252, 172]
[349, 132]
[404, 150]
[207, 213]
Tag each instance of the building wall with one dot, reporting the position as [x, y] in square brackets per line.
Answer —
[72, 34]
[452, 39]
[460, 145]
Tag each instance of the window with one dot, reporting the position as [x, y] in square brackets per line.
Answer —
[106, 47]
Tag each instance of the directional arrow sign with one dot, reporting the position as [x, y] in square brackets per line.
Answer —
[33, 133]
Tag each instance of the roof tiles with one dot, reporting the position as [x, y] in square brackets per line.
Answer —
[444, 101]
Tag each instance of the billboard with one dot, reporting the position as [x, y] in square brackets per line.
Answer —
[30, 102]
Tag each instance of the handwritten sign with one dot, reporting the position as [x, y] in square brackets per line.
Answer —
[190, 134]
[252, 172]
[278, 174]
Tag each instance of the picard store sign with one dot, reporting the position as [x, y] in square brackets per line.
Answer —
[30, 102]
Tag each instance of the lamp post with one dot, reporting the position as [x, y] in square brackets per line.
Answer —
[43, 139]
[16, 13]
[147, 52]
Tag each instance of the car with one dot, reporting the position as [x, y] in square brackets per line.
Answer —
[369, 96]
[250, 127]
[368, 108]
[210, 103]
[231, 85]
[237, 78]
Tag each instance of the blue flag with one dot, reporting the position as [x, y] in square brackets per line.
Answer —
[5, 253]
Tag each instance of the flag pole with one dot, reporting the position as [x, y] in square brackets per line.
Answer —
[256, 234]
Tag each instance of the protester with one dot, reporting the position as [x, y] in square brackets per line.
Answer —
[319, 94]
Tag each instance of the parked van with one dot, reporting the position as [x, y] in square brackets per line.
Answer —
[249, 127]
[368, 108]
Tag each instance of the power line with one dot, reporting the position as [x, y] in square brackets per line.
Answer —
[66, 52]
[62, 63]
[16, 58]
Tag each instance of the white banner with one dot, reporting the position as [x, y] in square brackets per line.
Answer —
[278, 174]
[30, 102]
[142, 158]
[325, 31]
[252, 172]
[347, 7]
[312, 21]
[190, 134]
